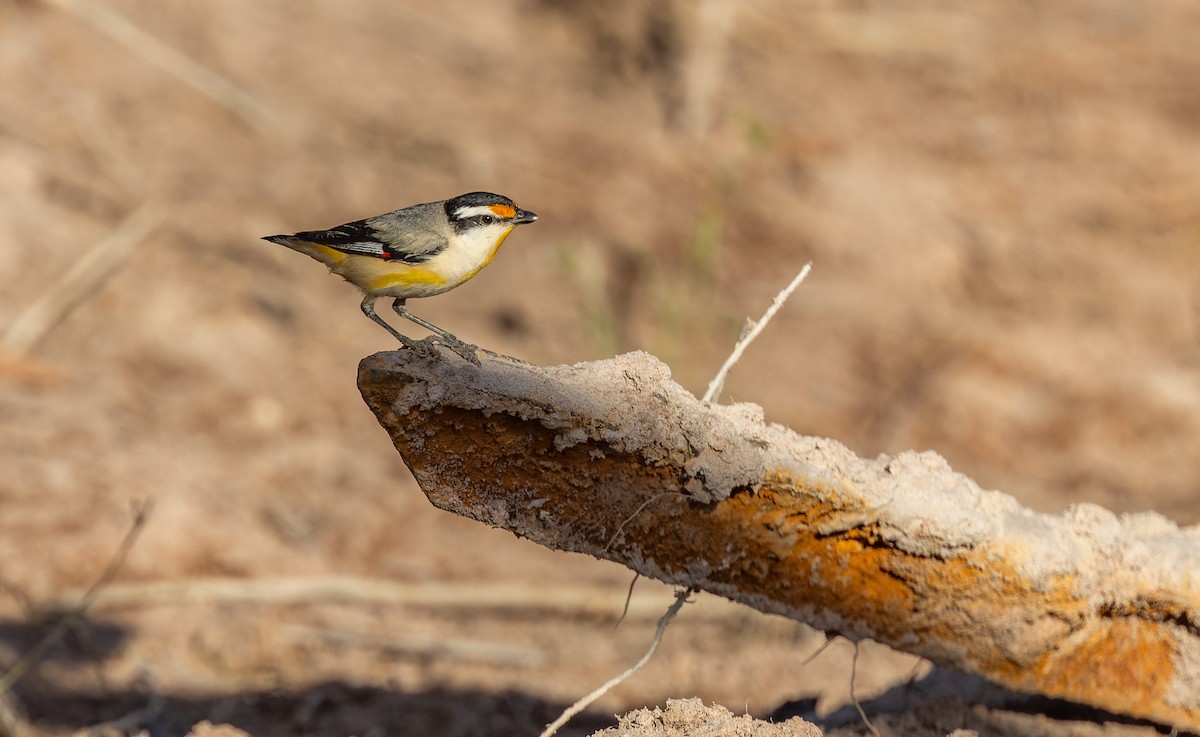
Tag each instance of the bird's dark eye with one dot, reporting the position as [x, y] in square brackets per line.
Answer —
[487, 219]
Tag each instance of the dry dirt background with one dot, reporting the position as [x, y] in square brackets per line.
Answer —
[999, 198]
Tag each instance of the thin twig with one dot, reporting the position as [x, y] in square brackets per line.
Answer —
[824, 646]
[587, 701]
[715, 386]
[171, 60]
[81, 280]
[17, 672]
[141, 513]
[853, 698]
[628, 599]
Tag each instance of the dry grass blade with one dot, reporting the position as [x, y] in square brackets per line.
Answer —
[171, 60]
[81, 280]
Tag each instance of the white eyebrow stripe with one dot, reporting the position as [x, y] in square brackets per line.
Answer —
[465, 212]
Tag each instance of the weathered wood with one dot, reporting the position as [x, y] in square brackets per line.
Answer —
[613, 459]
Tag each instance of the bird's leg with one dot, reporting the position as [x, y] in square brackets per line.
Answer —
[368, 308]
[465, 350]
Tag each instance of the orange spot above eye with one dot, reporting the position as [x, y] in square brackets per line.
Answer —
[504, 211]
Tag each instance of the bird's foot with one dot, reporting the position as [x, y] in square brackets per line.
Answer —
[422, 348]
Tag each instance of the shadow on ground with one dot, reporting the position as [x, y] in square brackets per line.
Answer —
[326, 708]
[331, 707]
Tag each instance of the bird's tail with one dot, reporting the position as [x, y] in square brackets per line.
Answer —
[329, 256]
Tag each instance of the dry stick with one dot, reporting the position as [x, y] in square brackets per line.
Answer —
[170, 60]
[714, 387]
[943, 525]
[586, 701]
[857, 704]
[81, 280]
[140, 514]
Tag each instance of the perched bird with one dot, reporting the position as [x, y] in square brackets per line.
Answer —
[418, 251]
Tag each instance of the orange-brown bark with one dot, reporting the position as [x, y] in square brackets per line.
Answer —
[615, 460]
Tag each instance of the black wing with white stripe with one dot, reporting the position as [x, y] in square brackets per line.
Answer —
[358, 238]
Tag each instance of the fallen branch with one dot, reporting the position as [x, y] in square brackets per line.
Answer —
[1084, 606]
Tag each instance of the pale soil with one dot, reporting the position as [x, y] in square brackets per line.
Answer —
[999, 200]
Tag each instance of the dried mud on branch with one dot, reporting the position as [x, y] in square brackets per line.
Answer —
[614, 459]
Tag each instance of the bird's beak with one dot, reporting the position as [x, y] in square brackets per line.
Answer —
[524, 216]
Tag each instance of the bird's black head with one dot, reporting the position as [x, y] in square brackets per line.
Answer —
[484, 208]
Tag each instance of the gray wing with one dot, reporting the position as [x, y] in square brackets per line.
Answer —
[404, 235]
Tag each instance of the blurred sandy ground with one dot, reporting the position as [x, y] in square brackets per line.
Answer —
[1000, 201]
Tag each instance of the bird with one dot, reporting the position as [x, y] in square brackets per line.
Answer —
[417, 251]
